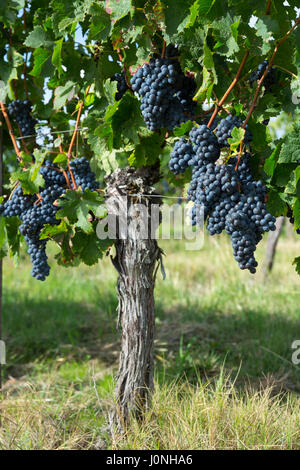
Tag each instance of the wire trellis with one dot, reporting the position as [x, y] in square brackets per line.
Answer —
[159, 196]
[51, 133]
[152, 195]
[82, 129]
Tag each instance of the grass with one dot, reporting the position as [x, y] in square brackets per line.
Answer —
[224, 374]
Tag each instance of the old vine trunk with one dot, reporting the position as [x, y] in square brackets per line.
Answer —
[136, 258]
[271, 246]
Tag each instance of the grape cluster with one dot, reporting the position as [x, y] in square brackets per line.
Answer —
[228, 199]
[51, 174]
[206, 146]
[83, 175]
[181, 156]
[17, 204]
[270, 78]
[165, 92]
[172, 51]
[225, 127]
[122, 86]
[35, 211]
[21, 112]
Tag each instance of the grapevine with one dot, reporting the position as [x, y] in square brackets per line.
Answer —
[36, 211]
[141, 89]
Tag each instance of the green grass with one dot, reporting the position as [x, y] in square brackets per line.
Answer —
[224, 376]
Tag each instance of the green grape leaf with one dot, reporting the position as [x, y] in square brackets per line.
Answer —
[291, 148]
[263, 32]
[282, 174]
[200, 8]
[226, 33]
[237, 135]
[39, 156]
[63, 94]
[296, 263]
[89, 247]
[147, 151]
[275, 205]
[56, 56]
[61, 158]
[296, 214]
[50, 231]
[66, 257]
[13, 236]
[183, 129]
[29, 180]
[118, 8]
[176, 16]
[38, 37]
[76, 206]
[3, 91]
[41, 56]
[100, 23]
[68, 206]
[271, 162]
[205, 90]
[127, 121]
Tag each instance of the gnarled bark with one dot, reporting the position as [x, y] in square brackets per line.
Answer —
[137, 254]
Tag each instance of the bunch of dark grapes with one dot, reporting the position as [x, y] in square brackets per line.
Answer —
[216, 182]
[165, 92]
[83, 175]
[35, 211]
[181, 156]
[270, 78]
[51, 174]
[17, 204]
[172, 51]
[122, 86]
[205, 145]
[225, 127]
[243, 237]
[42, 212]
[228, 199]
[21, 112]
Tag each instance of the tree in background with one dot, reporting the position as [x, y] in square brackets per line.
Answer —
[180, 91]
